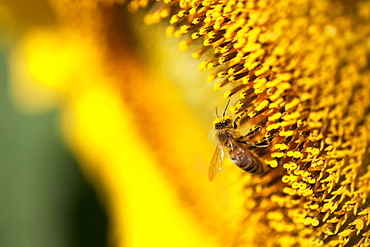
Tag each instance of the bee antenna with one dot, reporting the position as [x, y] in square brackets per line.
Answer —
[227, 105]
[217, 112]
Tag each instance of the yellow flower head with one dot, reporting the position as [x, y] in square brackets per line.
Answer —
[298, 72]
[297, 75]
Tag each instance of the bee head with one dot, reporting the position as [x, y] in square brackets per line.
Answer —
[223, 122]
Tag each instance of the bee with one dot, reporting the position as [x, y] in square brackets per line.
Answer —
[227, 134]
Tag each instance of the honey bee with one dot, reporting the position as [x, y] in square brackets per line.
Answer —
[228, 136]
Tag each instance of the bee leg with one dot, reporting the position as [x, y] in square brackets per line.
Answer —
[255, 129]
[264, 142]
[236, 122]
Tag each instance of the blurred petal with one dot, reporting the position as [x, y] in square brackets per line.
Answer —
[137, 139]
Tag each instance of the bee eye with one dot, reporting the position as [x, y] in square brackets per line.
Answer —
[227, 121]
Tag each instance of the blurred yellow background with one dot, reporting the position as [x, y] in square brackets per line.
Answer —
[134, 111]
[45, 201]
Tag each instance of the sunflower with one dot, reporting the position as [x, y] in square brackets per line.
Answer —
[137, 113]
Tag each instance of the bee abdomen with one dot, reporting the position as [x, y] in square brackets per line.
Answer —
[246, 161]
[254, 168]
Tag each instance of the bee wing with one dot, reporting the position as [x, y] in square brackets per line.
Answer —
[216, 163]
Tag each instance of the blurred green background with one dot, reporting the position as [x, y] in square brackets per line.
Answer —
[45, 200]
